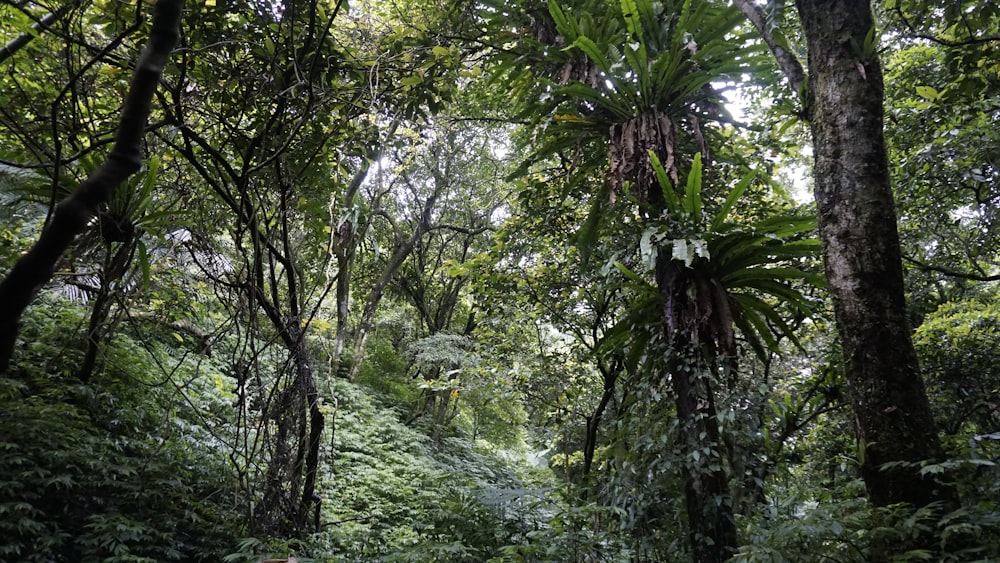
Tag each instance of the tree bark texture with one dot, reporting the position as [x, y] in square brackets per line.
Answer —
[693, 348]
[857, 224]
[290, 498]
[74, 213]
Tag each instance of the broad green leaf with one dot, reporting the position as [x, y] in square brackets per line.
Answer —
[635, 55]
[633, 21]
[143, 254]
[565, 24]
[928, 93]
[750, 313]
[630, 274]
[588, 46]
[586, 237]
[412, 80]
[587, 93]
[665, 71]
[149, 178]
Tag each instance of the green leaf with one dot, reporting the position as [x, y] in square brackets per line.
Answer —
[590, 48]
[412, 80]
[782, 226]
[928, 93]
[637, 60]
[586, 237]
[143, 255]
[692, 196]
[731, 199]
[630, 274]
[633, 23]
[565, 24]
[149, 178]
[665, 71]
[576, 89]
[669, 196]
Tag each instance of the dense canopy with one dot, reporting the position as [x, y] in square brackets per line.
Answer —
[506, 281]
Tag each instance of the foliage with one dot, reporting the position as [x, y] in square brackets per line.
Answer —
[437, 229]
[942, 86]
[956, 344]
[391, 495]
[122, 469]
[749, 261]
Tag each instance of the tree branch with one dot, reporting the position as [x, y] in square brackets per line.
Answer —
[75, 212]
[788, 62]
[944, 42]
[15, 44]
[951, 273]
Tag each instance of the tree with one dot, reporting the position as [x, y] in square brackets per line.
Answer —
[638, 77]
[618, 351]
[861, 247]
[75, 212]
[857, 223]
[434, 277]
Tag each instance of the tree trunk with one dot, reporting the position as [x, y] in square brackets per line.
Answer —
[115, 267]
[609, 374]
[290, 497]
[400, 252]
[857, 225]
[711, 524]
[310, 442]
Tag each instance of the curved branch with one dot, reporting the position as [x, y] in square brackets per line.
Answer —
[951, 273]
[944, 42]
[75, 212]
[789, 63]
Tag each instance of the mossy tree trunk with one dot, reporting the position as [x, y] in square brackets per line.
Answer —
[693, 362]
[857, 224]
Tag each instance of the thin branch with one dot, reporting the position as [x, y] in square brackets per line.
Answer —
[472, 231]
[789, 63]
[15, 44]
[485, 119]
[945, 42]
[952, 273]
